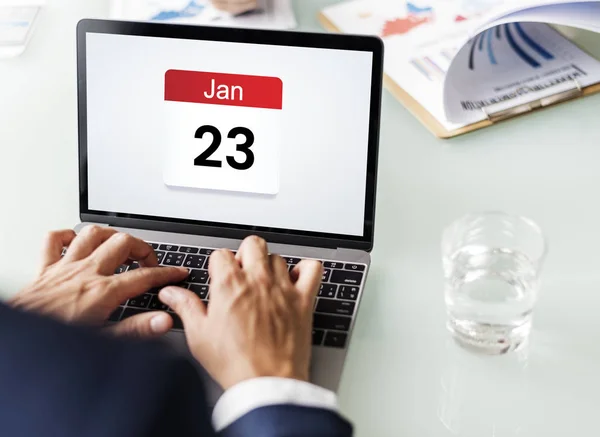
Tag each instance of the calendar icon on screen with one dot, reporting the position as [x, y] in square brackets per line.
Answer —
[223, 131]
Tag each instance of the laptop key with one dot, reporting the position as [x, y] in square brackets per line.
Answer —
[326, 275]
[335, 339]
[154, 245]
[317, 337]
[333, 265]
[140, 301]
[291, 261]
[129, 312]
[157, 305]
[116, 315]
[121, 269]
[326, 321]
[355, 267]
[327, 290]
[198, 276]
[207, 251]
[194, 261]
[159, 256]
[188, 249]
[200, 290]
[348, 293]
[335, 307]
[346, 277]
[169, 247]
[134, 265]
[173, 259]
[154, 290]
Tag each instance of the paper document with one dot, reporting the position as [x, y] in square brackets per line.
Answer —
[15, 23]
[513, 64]
[271, 14]
[444, 55]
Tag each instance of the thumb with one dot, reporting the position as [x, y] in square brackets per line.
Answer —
[187, 305]
[146, 325]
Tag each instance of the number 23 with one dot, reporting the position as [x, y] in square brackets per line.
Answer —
[203, 161]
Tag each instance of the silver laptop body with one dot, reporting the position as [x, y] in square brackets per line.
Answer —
[189, 241]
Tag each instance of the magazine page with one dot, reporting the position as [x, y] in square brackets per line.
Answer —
[421, 38]
[585, 16]
[582, 14]
[514, 64]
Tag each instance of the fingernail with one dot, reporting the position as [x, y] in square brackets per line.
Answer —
[159, 323]
[167, 295]
[184, 269]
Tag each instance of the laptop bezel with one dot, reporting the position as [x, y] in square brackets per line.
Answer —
[269, 37]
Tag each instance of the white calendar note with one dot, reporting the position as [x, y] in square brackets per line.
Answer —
[223, 132]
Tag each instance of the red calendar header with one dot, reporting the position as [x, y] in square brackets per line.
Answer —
[223, 89]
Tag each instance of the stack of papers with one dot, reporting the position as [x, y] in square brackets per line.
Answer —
[271, 14]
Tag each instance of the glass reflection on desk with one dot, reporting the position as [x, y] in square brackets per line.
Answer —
[483, 396]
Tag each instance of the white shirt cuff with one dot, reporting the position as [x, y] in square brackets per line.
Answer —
[255, 393]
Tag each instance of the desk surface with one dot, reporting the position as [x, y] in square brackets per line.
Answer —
[403, 375]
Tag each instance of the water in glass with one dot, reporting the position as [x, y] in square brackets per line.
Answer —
[490, 294]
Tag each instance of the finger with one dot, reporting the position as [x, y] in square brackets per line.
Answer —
[118, 249]
[223, 266]
[280, 270]
[309, 274]
[53, 245]
[187, 306]
[88, 240]
[133, 283]
[253, 254]
[147, 325]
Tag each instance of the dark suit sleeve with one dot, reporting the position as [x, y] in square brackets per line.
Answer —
[289, 421]
[61, 381]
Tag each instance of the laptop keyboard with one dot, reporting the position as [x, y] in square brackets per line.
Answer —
[334, 309]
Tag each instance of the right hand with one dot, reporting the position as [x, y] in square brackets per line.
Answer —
[259, 321]
[235, 7]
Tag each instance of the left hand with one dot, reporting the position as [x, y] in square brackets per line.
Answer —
[81, 286]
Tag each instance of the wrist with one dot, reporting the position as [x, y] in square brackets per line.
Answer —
[283, 371]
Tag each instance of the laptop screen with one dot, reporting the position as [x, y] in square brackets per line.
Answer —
[257, 135]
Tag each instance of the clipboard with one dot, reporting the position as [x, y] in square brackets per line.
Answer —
[492, 117]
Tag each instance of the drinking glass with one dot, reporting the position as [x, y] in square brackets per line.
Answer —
[492, 263]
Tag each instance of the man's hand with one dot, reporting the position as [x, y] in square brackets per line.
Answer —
[235, 6]
[81, 286]
[259, 321]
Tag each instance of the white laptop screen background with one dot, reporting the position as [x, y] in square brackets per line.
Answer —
[310, 166]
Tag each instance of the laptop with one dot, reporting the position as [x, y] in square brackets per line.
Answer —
[193, 138]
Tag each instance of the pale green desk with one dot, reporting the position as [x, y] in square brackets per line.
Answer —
[403, 377]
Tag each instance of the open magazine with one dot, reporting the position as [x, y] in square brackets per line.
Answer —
[465, 60]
